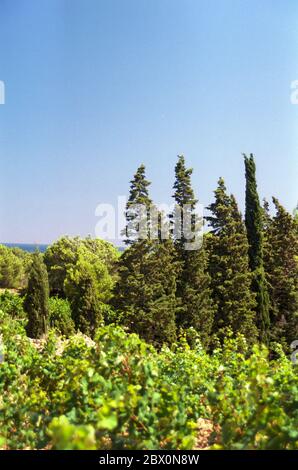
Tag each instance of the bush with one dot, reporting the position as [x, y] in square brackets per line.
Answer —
[12, 304]
[254, 400]
[120, 393]
[60, 316]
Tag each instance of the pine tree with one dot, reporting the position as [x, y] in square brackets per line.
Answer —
[229, 268]
[138, 195]
[254, 227]
[145, 291]
[281, 264]
[36, 298]
[195, 307]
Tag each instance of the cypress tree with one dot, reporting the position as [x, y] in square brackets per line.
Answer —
[138, 194]
[86, 294]
[36, 298]
[254, 227]
[145, 291]
[266, 219]
[184, 198]
[85, 306]
[281, 266]
[229, 268]
[195, 307]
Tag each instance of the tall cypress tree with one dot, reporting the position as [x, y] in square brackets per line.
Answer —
[86, 292]
[85, 305]
[145, 291]
[195, 308]
[184, 198]
[281, 251]
[229, 267]
[138, 195]
[37, 297]
[254, 227]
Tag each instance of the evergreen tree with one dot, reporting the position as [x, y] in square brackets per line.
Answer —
[295, 213]
[266, 222]
[85, 306]
[87, 297]
[281, 264]
[63, 255]
[195, 307]
[145, 291]
[229, 268]
[295, 216]
[37, 298]
[184, 199]
[254, 227]
[138, 195]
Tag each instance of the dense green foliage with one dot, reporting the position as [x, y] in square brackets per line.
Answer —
[138, 195]
[171, 337]
[145, 291]
[281, 267]
[14, 265]
[228, 266]
[60, 316]
[194, 303]
[254, 227]
[36, 298]
[65, 255]
[119, 393]
[88, 286]
[158, 289]
[12, 305]
[84, 301]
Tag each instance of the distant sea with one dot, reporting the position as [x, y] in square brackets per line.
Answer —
[30, 247]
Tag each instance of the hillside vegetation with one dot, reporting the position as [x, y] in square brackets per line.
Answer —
[118, 392]
[158, 347]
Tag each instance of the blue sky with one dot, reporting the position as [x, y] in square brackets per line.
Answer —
[96, 87]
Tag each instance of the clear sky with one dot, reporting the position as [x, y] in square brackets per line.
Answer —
[96, 87]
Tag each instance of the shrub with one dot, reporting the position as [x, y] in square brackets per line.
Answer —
[60, 316]
[12, 304]
[120, 393]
